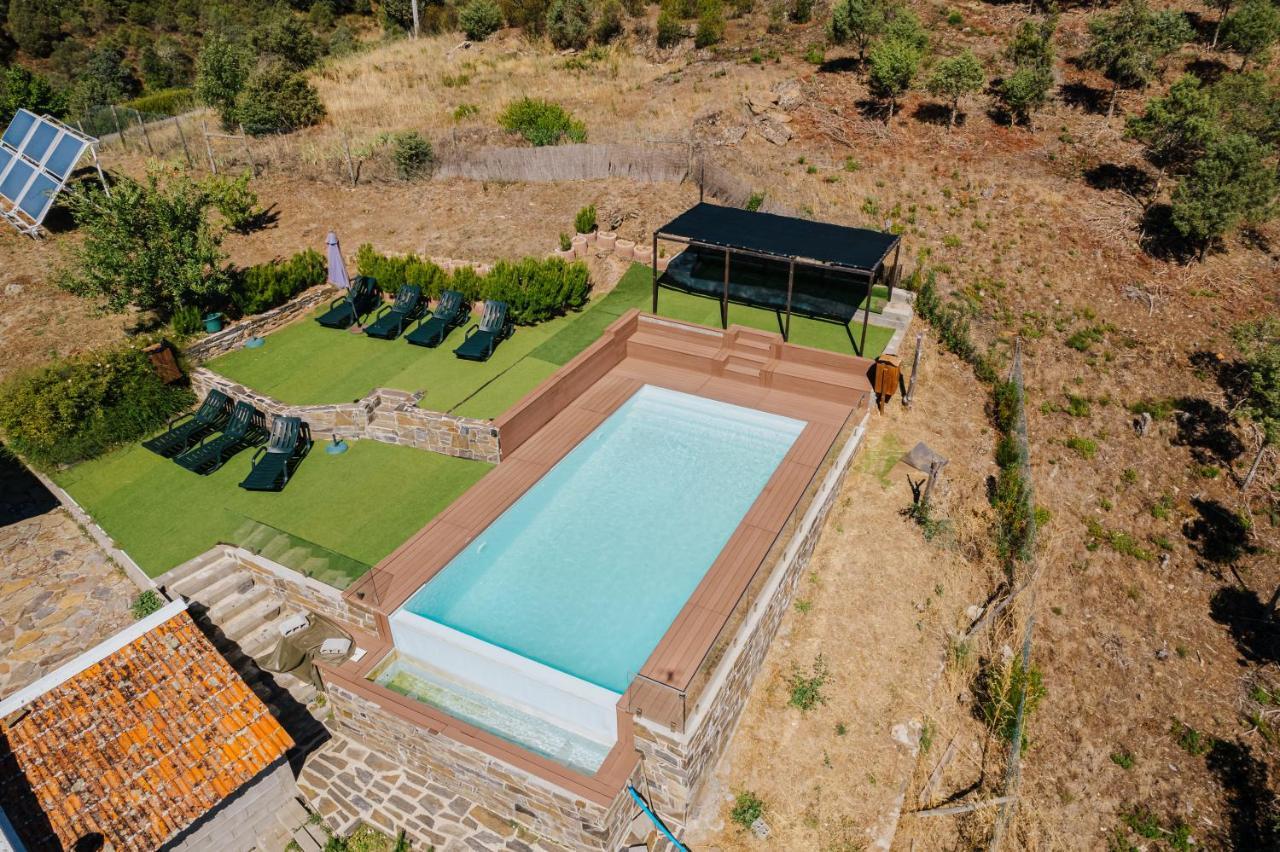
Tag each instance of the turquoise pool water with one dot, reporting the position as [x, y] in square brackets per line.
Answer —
[587, 570]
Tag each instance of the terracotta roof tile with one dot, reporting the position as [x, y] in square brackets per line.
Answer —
[138, 746]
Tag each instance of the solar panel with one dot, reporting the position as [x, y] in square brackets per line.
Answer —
[18, 129]
[37, 155]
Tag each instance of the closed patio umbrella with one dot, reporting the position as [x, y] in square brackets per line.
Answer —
[337, 269]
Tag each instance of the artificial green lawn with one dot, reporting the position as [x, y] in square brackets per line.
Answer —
[305, 364]
[361, 504]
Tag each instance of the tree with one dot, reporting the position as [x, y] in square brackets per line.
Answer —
[103, 79]
[1249, 103]
[23, 89]
[35, 25]
[859, 22]
[276, 100]
[480, 19]
[1259, 343]
[1023, 92]
[953, 78]
[1129, 45]
[1032, 45]
[147, 244]
[904, 26]
[670, 27]
[1232, 183]
[287, 38]
[1177, 128]
[893, 67]
[710, 23]
[221, 72]
[569, 24]
[1223, 7]
[1251, 30]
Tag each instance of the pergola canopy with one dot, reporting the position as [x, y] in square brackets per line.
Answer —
[784, 264]
[783, 237]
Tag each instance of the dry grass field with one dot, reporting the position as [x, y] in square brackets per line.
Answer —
[1150, 630]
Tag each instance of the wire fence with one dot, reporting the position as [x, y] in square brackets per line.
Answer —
[1013, 768]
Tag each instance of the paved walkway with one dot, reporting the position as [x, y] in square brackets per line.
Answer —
[347, 783]
[59, 594]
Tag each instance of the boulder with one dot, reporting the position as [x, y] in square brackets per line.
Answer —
[760, 102]
[789, 94]
[775, 131]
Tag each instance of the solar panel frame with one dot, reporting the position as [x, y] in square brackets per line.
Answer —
[37, 155]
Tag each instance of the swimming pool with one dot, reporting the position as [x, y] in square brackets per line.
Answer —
[559, 602]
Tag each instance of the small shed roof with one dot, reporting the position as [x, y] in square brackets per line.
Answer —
[784, 237]
[133, 740]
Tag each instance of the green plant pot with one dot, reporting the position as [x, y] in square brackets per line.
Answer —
[212, 323]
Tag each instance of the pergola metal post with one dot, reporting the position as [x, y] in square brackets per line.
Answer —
[655, 272]
[866, 317]
[724, 304]
[791, 282]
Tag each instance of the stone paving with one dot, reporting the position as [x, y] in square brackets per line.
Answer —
[347, 783]
[59, 596]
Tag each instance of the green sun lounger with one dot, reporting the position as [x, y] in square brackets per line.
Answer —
[246, 428]
[483, 337]
[393, 319]
[274, 464]
[346, 310]
[432, 329]
[186, 429]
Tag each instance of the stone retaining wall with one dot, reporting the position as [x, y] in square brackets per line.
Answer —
[519, 797]
[302, 592]
[386, 415]
[234, 335]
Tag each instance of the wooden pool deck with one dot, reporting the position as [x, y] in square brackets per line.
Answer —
[738, 365]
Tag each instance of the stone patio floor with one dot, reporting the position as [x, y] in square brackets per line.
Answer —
[59, 596]
[346, 783]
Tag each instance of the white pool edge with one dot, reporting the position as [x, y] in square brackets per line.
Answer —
[557, 698]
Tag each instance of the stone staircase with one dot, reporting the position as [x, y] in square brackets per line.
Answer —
[242, 618]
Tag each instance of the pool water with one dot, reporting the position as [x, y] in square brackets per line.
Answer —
[588, 569]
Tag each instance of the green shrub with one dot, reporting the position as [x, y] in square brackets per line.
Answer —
[468, 282]
[952, 327]
[173, 101]
[412, 154]
[238, 204]
[747, 808]
[800, 11]
[1086, 448]
[670, 26]
[146, 603]
[566, 242]
[710, 23]
[569, 24]
[608, 24]
[480, 19]
[806, 690]
[1000, 690]
[79, 408]
[187, 320]
[755, 201]
[395, 272]
[585, 221]
[268, 285]
[542, 122]
[537, 290]
[277, 100]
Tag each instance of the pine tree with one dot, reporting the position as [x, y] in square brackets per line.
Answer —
[953, 78]
[1231, 184]
[1259, 343]
[893, 67]
[859, 22]
[1176, 129]
[1251, 30]
[1129, 45]
[1024, 90]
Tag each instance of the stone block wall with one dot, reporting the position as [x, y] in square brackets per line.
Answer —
[304, 593]
[677, 765]
[235, 334]
[454, 768]
[386, 415]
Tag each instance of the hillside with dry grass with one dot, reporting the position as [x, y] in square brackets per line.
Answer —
[1155, 570]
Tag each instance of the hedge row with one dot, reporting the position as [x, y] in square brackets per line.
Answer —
[80, 407]
[268, 285]
[534, 290]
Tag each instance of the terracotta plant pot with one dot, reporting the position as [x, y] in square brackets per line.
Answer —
[624, 249]
[566, 254]
[663, 262]
[579, 246]
[605, 240]
[642, 254]
[591, 237]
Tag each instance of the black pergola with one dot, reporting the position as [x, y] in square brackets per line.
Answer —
[840, 265]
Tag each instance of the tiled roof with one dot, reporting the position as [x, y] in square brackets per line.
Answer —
[135, 747]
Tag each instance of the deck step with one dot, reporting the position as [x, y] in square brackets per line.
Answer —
[263, 638]
[205, 576]
[247, 594]
[251, 619]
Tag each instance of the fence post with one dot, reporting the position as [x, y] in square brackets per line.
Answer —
[208, 147]
[186, 152]
[351, 169]
[146, 137]
[244, 137]
[915, 368]
[115, 117]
